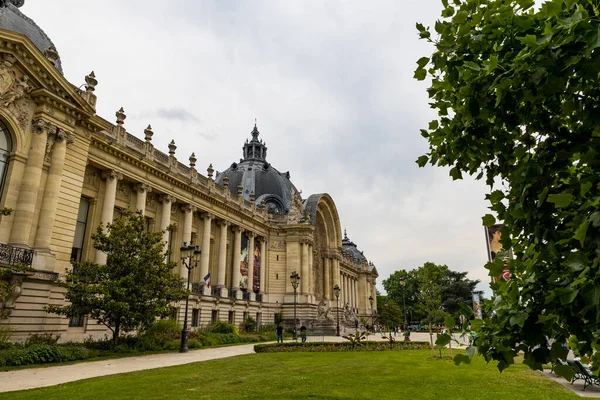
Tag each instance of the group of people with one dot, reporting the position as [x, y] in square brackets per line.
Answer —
[279, 330]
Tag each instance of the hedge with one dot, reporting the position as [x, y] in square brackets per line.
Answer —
[337, 347]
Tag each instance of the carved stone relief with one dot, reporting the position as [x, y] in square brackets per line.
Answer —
[151, 200]
[92, 179]
[123, 190]
[277, 245]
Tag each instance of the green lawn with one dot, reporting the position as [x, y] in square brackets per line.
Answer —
[406, 374]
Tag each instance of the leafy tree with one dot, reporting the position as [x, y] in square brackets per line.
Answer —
[517, 92]
[431, 278]
[395, 291]
[457, 290]
[390, 315]
[134, 287]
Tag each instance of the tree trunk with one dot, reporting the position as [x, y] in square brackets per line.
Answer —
[450, 344]
[116, 332]
[431, 340]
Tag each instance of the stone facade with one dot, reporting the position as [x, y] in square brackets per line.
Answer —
[68, 170]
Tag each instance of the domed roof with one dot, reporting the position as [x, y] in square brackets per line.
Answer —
[259, 179]
[14, 20]
[350, 249]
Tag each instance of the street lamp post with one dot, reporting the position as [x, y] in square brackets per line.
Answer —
[403, 283]
[372, 322]
[336, 290]
[295, 278]
[187, 251]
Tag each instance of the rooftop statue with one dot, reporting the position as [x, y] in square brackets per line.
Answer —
[16, 3]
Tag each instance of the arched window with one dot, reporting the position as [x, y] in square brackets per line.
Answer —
[5, 149]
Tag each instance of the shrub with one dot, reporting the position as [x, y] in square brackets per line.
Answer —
[42, 338]
[172, 344]
[267, 328]
[223, 327]
[121, 348]
[249, 325]
[163, 327]
[194, 344]
[74, 352]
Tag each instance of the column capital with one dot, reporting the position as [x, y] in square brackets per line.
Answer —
[142, 187]
[41, 126]
[223, 222]
[206, 215]
[251, 234]
[167, 198]
[112, 174]
[188, 208]
[61, 135]
[237, 228]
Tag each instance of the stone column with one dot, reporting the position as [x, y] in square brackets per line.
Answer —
[108, 205]
[237, 254]
[29, 189]
[141, 190]
[327, 280]
[205, 256]
[188, 211]
[52, 191]
[336, 271]
[251, 236]
[311, 278]
[304, 274]
[222, 257]
[165, 218]
[263, 265]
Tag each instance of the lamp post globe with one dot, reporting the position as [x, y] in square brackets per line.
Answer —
[190, 257]
[295, 279]
[337, 290]
[371, 302]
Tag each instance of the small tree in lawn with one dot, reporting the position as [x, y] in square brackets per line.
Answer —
[134, 287]
[431, 280]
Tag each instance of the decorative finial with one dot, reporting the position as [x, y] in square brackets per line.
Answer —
[252, 198]
[172, 148]
[263, 203]
[193, 160]
[345, 235]
[90, 82]
[210, 171]
[226, 181]
[51, 54]
[120, 116]
[148, 134]
[240, 189]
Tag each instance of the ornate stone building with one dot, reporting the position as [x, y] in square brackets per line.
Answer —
[64, 170]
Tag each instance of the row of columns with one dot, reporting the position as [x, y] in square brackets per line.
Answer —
[112, 177]
[349, 290]
[331, 276]
[28, 193]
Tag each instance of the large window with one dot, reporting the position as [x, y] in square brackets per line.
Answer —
[82, 216]
[5, 149]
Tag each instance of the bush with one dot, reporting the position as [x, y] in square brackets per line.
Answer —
[163, 327]
[249, 325]
[223, 327]
[267, 328]
[194, 344]
[172, 344]
[42, 338]
[336, 347]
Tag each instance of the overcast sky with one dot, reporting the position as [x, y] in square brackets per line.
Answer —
[330, 83]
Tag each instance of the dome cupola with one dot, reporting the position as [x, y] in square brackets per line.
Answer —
[12, 19]
[260, 181]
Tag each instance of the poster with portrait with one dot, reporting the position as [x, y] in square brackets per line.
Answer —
[244, 259]
[477, 305]
[256, 269]
[493, 236]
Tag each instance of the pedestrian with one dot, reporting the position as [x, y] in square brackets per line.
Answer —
[279, 333]
[407, 335]
[303, 333]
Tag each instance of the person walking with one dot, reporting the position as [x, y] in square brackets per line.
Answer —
[303, 333]
[279, 333]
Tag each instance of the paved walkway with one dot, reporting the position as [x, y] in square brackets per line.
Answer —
[577, 387]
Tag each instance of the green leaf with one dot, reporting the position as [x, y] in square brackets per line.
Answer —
[496, 268]
[528, 40]
[565, 371]
[519, 318]
[476, 324]
[595, 219]
[422, 161]
[575, 262]
[471, 351]
[460, 17]
[560, 200]
[455, 173]
[433, 125]
[471, 65]
[420, 74]
[443, 340]
[488, 220]
[461, 358]
[581, 232]
[422, 62]
[567, 295]
[449, 322]
[558, 351]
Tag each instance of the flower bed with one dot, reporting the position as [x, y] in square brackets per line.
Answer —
[338, 347]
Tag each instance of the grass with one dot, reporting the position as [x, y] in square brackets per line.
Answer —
[354, 375]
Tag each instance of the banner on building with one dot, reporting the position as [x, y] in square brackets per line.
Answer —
[256, 269]
[244, 263]
[495, 249]
[477, 305]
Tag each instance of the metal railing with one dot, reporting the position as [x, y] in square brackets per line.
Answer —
[15, 255]
[215, 291]
[259, 297]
